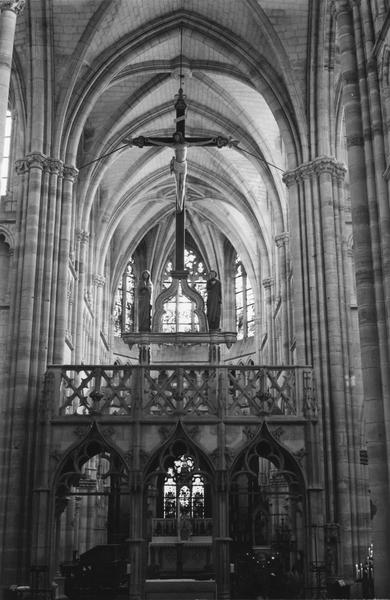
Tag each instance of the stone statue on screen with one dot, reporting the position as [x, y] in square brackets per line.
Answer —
[145, 289]
[214, 301]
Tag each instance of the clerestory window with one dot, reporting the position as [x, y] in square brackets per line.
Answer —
[124, 301]
[5, 157]
[245, 304]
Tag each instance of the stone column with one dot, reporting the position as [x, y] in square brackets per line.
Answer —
[99, 282]
[19, 433]
[69, 176]
[221, 535]
[368, 220]
[47, 259]
[281, 241]
[9, 9]
[137, 543]
[137, 548]
[221, 538]
[322, 310]
[82, 246]
[28, 357]
[267, 284]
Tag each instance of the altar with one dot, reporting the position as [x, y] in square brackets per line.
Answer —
[180, 589]
[170, 557]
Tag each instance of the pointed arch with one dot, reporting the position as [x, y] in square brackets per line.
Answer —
[94, 443]
[179, 442]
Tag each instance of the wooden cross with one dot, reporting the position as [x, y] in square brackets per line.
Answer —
[178, 166]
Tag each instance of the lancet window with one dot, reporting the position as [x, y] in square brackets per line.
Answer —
[245, 305]
[124, 301]
[6, 154]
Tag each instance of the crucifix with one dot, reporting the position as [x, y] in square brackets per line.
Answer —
[178, 166]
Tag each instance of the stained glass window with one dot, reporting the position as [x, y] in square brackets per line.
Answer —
[245, 302]
[179, 311]
[124, 301]
[6, 154]
[183, 490]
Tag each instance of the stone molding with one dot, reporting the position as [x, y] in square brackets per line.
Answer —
[318, 166]
[17, 6]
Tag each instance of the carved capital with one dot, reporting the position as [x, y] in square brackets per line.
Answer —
[37, 160]
[327, 164]
[70, 173]
[290, 177]
[21, 166]
[16, 6]
[54, 166]
[313, 168]
[82, 236]
[33, 160]
[282, 239]
[99, 280]
[267, 283]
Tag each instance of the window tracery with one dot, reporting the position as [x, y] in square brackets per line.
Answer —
[179, 310]
[124, 301]
[183, 490]
[244, 301]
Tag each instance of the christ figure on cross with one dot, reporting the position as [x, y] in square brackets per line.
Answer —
[180, 143]
[178, 167]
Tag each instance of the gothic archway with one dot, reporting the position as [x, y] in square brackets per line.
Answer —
[267, 520]
[91, 495]
[178, 508]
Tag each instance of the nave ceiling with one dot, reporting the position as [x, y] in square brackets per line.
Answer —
[116, 68]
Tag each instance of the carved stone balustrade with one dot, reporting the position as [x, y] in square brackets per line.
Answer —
[187, 391]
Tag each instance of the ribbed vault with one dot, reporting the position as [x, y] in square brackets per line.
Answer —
[116, 82]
